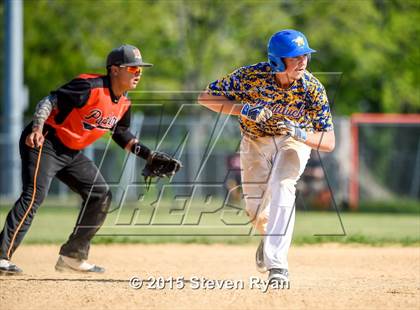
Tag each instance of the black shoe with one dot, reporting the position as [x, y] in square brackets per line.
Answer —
[7, 268]
[278, 275]
[76, 266]
[259, 258]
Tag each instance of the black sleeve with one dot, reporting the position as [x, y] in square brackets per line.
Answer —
[72, 95]
[122, 134]
[75, 93]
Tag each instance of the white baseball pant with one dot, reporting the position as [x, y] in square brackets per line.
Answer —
[271, 167]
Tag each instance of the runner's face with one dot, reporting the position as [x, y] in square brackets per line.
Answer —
[296, 66]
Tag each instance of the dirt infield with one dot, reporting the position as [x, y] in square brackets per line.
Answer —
[323, 276]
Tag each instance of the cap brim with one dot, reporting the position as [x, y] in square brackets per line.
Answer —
[302, 52]
[140, 64]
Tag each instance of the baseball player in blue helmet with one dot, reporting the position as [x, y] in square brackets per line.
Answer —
[283, 113]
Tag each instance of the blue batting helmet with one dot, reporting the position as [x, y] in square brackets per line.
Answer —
[286, 43]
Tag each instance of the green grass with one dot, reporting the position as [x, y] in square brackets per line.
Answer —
[402, 205]
[53, 224]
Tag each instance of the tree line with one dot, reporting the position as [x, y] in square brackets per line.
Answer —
[368, 52]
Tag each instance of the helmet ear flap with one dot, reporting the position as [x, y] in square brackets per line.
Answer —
[277, 64]
[283, 65]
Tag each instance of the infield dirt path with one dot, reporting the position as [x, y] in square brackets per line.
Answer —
[324, 277]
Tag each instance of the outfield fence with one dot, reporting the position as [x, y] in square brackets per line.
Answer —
[208, 145]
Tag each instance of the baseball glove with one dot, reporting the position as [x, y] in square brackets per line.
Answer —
[160, 165]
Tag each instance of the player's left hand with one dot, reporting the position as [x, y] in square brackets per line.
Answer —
[291, 129]
[160, 164]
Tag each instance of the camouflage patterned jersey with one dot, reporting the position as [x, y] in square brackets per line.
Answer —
[305, 102]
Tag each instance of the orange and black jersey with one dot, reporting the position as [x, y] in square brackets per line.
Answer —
[86, 109]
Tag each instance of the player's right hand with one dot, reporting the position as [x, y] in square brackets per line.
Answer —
[35, 138]
[258, 114]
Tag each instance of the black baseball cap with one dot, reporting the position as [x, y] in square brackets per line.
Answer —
[126, 55]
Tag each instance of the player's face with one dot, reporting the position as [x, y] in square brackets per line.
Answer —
[129, 77]
[295, 66]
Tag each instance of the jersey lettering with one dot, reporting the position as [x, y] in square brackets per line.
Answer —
[102, 122]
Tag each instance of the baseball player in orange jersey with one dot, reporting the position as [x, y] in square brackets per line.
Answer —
[283, 112]
[65, 122]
